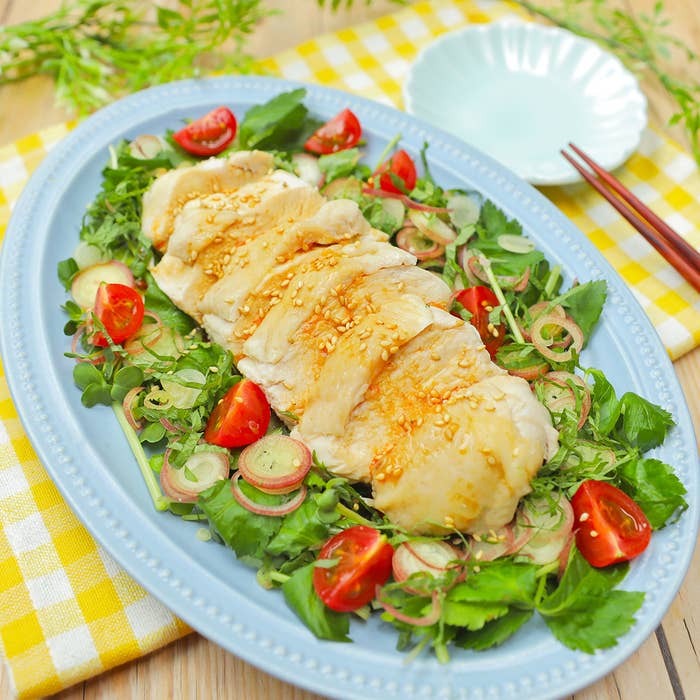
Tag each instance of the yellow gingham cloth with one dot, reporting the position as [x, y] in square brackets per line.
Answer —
[67, 611]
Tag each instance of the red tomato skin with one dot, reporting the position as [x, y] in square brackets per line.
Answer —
[365, 562]
[209, 134]
[119, 308]
[401, 165]
[475, 300]
[337, 134]
[610, 527]
[240, 418]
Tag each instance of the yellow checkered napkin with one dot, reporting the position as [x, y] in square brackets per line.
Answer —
[67, 611]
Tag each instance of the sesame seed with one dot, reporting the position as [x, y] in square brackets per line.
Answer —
[594, 533]
[213, 369]
[476, 569]
[583, 517]
[380, 477]
[478, 555]
[385, 355]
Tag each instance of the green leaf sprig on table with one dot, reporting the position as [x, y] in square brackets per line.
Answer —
[98, 50]
[643, 43]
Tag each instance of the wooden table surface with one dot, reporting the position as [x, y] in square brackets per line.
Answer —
[665, 666]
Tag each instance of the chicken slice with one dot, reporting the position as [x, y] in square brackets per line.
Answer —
[288, 382]
[446, 356]
[468, 463]
[335, 222]
[309, 283]
[211, 233]
[207, 225]
[172, 190]
[365, 350]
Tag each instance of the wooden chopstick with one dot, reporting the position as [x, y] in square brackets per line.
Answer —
[681, 255]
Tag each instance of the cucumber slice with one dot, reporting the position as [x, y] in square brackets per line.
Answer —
[551, 528]
[86, 283]
[184, 396]
[466, 209]
[87, 255]
[515, 244]
[343, 188]
[432, 227]
[395, 209]
[307, 168]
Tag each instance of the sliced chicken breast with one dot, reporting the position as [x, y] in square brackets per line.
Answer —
[172, 190]
[468, 463]
[334, 222]
[211, 233]
[341, 315]
[310, 282]
[446, 356]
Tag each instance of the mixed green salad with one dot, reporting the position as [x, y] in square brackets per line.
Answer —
[178, 398]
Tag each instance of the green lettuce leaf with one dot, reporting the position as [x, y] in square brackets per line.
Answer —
[584, 612]
[655, 488]
[300, 530]
[495, 632]
[644, 424]
[301, 597]
[245, 532]
[498, 582]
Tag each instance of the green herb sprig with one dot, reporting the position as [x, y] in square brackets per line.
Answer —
[98, 50]
[643, 43]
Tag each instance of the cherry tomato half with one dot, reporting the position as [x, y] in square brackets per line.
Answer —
[337, 134]
[401, 165]
[364, 562]
[120, 310]
[209, 134]
[240, 418]
[610, 527]
[479, 301]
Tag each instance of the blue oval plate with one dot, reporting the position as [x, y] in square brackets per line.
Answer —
[88, 458]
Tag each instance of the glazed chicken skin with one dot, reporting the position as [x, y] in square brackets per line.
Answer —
[350, 342]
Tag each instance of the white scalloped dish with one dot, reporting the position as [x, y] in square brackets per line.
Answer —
[520, 92]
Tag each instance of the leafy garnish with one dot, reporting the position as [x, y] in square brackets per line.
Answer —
[302, 598]
[644, 425]
[655, 488]
[280, 123]
[584, 612]
[343, 164]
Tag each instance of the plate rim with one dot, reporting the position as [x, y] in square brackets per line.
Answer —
[125, 550]
[567, 175]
